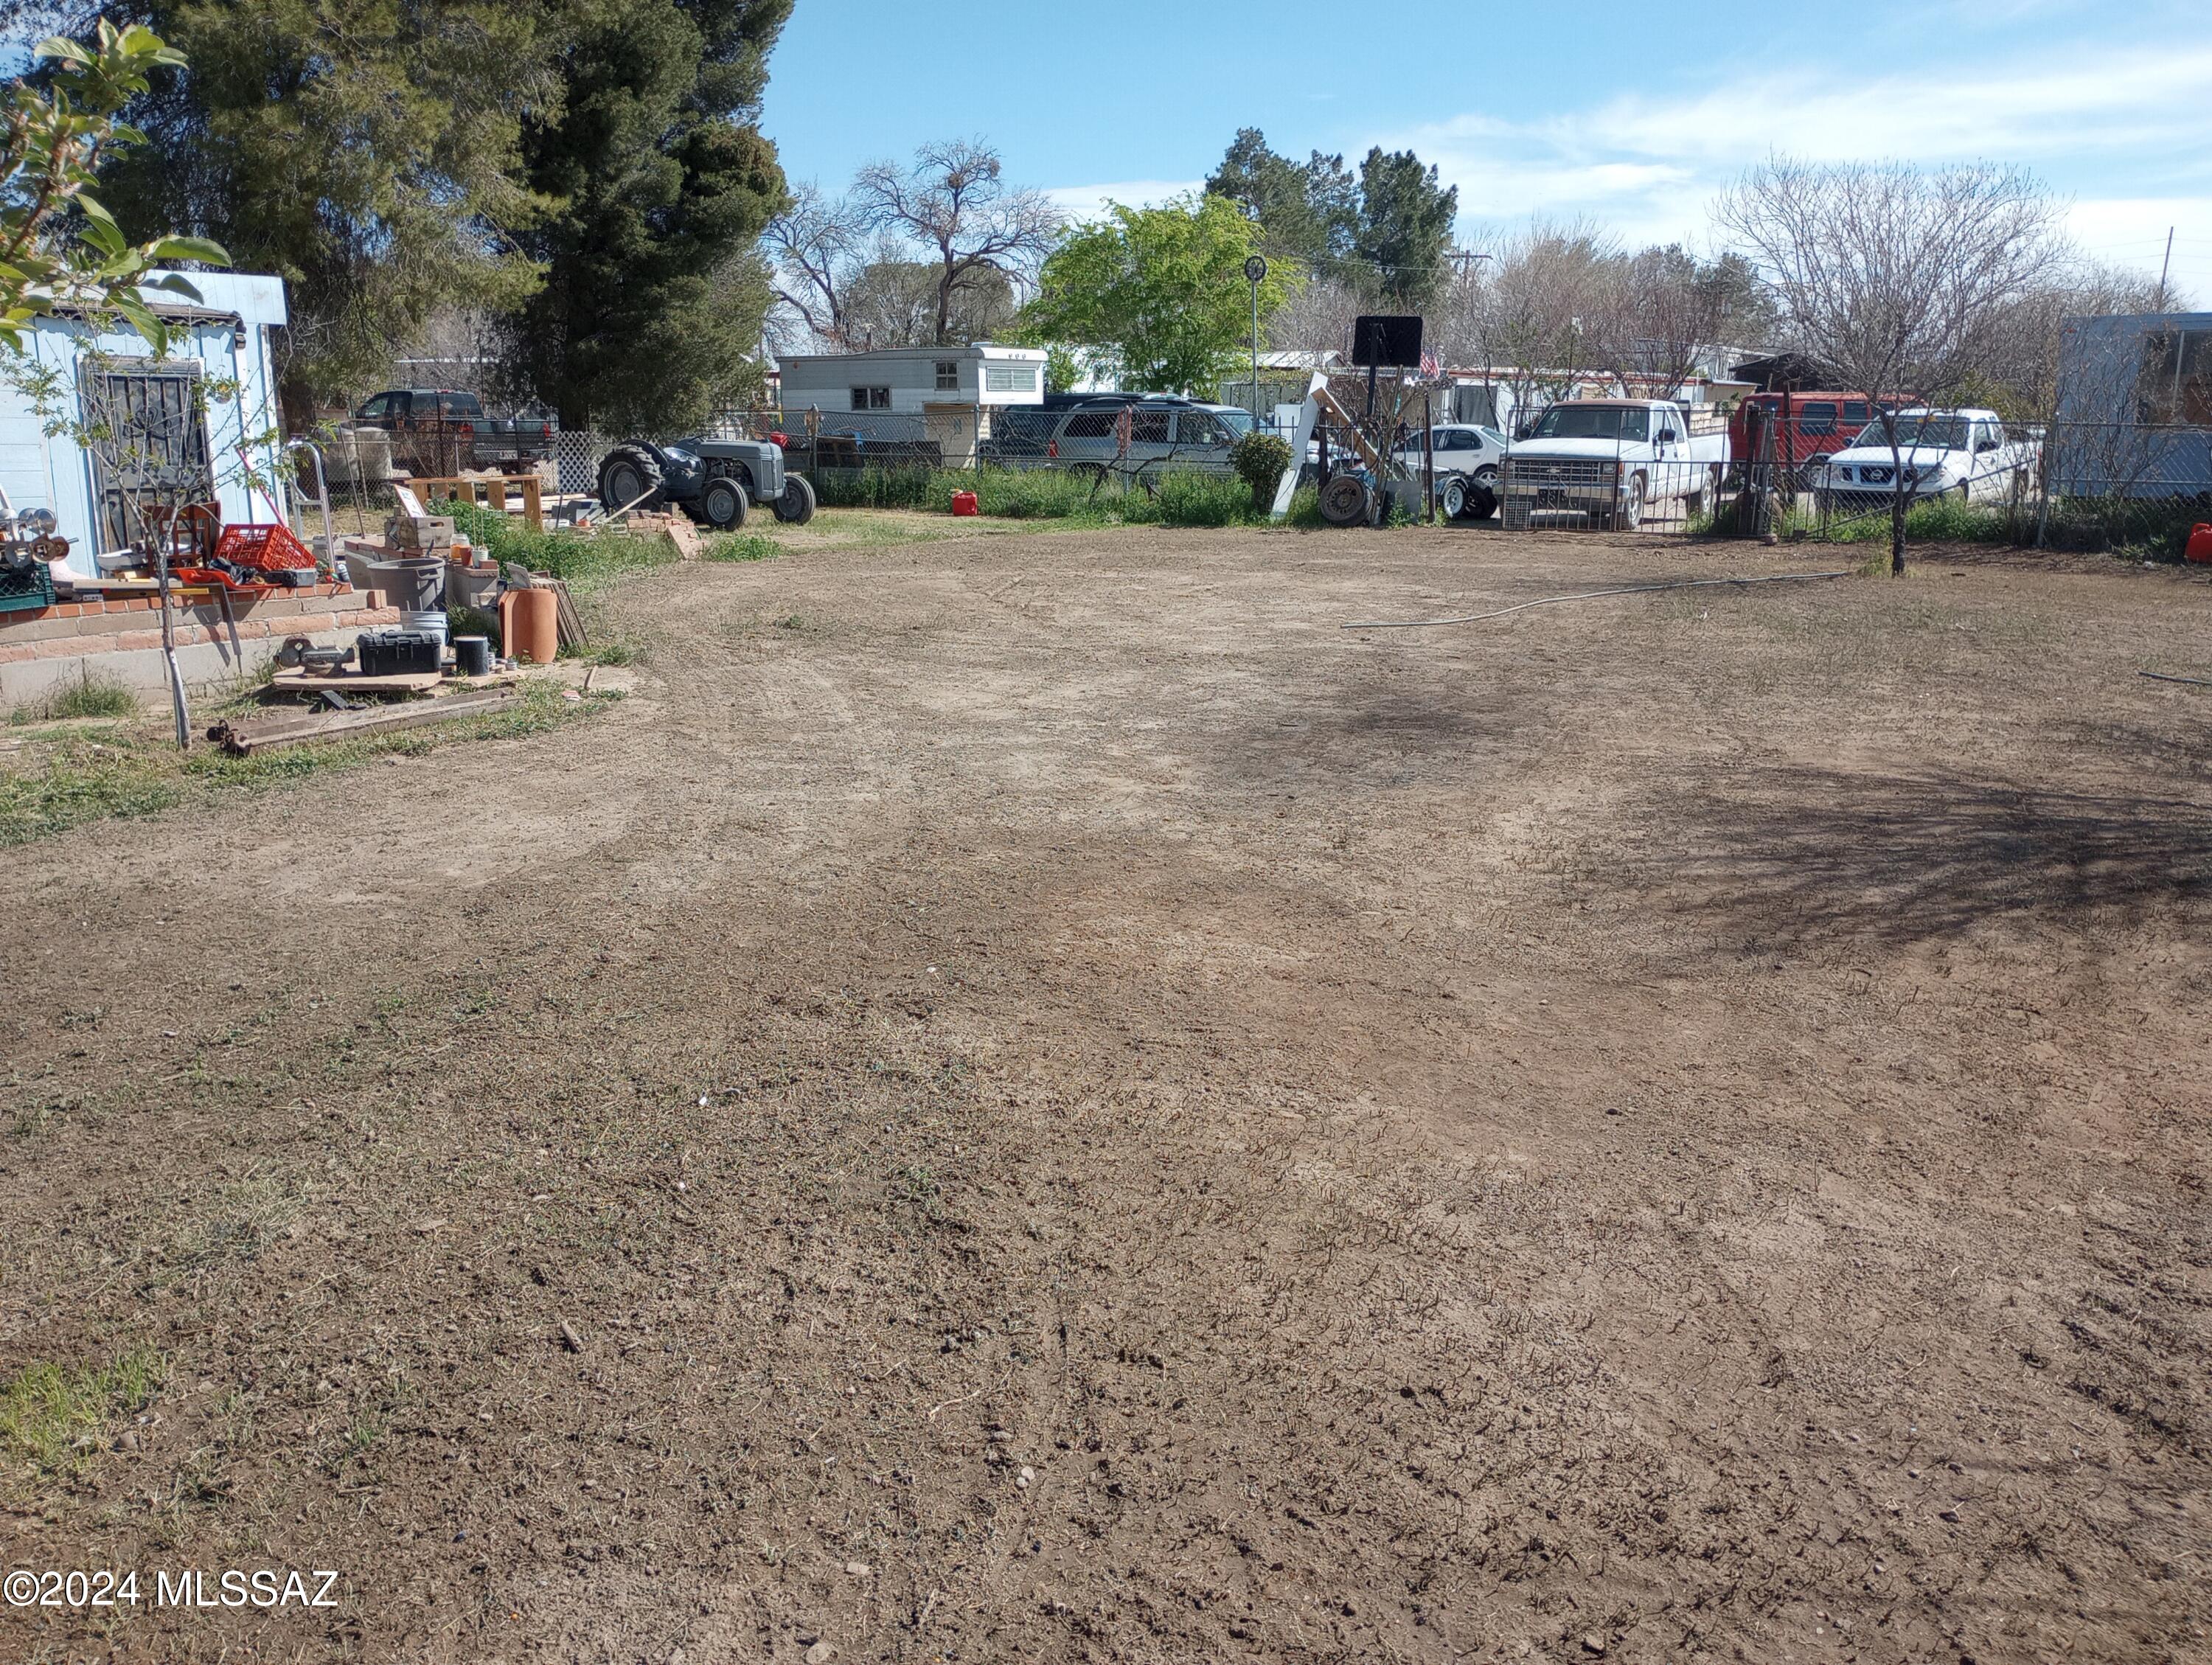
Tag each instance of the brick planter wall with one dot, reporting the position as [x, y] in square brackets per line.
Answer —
[121, 640]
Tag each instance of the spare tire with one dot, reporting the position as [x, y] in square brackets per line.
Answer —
[631, 477]
[1346, 501]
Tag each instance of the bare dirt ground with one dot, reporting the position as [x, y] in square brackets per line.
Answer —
[1075, 1111]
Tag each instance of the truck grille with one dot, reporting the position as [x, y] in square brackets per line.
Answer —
[1537, 473]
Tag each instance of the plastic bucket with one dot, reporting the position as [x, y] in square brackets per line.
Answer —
[427, 622]
[413, 585]
[472, 656]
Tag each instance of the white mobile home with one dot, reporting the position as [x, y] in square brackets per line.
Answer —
[942, 393]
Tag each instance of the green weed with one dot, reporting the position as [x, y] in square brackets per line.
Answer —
[93, 696]
[121, 777]
[49, 1415]
[575, 557]
[742, 546]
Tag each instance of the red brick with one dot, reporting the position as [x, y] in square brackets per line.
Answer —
[17, 652]
[135, 639]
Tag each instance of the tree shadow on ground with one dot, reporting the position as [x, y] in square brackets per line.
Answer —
[1903, 857]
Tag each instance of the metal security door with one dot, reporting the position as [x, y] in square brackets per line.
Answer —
[150, 442]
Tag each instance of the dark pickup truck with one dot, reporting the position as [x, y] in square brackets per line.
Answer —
[442, 431]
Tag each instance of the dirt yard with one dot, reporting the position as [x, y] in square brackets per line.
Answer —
[1031, 1098]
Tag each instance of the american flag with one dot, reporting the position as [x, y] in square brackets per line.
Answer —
[1429, 368]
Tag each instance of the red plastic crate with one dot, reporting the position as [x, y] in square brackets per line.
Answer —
[265, 548]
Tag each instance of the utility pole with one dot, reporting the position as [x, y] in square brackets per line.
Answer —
[2164, 266]
[1255, 270]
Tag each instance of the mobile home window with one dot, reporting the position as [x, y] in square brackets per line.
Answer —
[1010, 378]
[871, 398]
[948, 375]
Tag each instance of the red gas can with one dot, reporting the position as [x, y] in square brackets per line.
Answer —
[963, 502]
[2200, 546]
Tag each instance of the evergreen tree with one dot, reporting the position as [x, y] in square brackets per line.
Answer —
[654, 292]
[1309, 214]
[1405, 227]
[366, 153]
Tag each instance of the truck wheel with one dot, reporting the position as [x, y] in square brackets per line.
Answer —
[1455, 499]
[1345, 500]
[631, 473]
[796, 506]
[722, 505]
[1631, 504]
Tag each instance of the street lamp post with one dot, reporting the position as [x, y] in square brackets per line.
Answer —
[1255, 270]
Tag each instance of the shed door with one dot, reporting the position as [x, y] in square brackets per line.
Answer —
[149, 446]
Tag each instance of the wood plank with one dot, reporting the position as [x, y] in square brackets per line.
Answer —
[301, 680]
[246, 738]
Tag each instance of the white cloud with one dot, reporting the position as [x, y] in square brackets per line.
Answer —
[1088, 202]
[1648, 167]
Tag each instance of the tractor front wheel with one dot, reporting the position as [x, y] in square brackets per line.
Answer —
[796, 506]
[722, 505]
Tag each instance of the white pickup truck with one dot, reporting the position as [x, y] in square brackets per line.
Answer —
[1605, 461]
[1964, 454]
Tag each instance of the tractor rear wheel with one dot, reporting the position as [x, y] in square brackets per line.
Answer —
[631, 477]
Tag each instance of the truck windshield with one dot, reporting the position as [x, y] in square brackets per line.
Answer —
[1938, 432]
[1595, 421]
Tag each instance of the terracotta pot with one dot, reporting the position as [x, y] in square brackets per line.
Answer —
[529, 625]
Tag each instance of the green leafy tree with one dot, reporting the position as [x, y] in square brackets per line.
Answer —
[1158, 293]
[365, 151]
[654, 292]
[59, 245]
[1406, 219]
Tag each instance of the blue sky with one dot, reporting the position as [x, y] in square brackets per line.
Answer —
[1633, 115]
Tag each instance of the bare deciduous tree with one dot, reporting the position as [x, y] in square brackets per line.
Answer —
[815, 245]
[1536, 314]
[955, 202]
[1893, 276]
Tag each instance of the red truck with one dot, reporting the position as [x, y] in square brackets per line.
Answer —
[1809, 426]
[441, 430]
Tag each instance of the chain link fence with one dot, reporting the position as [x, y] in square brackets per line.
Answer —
[2103, 486]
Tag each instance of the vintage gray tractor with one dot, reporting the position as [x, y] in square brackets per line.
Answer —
[715, 482]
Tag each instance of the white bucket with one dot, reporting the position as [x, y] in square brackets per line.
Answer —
[428, 623]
